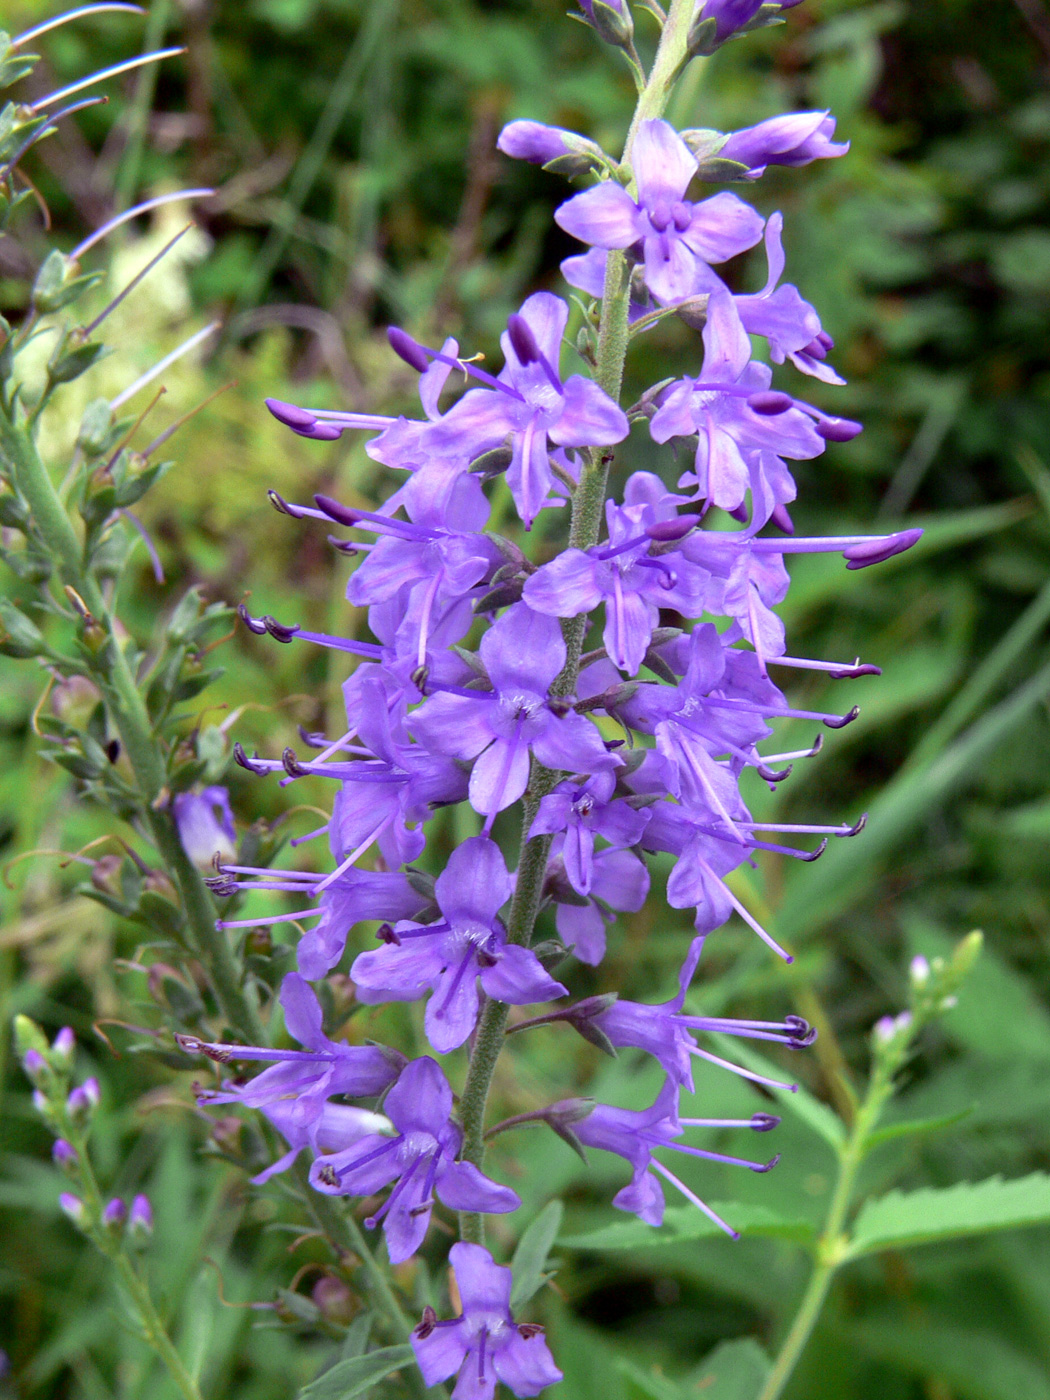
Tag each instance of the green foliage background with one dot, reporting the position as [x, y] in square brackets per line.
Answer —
[351, 142]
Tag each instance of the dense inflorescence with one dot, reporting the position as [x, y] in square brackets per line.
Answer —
[477, 689]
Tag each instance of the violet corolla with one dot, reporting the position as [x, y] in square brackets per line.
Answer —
[484, 1344]
[420, 1158]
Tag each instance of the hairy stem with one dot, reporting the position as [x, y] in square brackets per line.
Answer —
[587, 508]
[128, 711]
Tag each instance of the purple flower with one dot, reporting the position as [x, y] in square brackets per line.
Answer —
[789, 324]
[450, 957]
[293, 1093]
[675, 238]
[635, 1136]
[522, 654]
[531, 406]
[140, 1218]
[716, 408]
[421, 1158]
[584, 810]
[665, 1033]
[793, 139]
[619, 882]
[634, 573]
[205, 825]
[729, 15]
[484, 1345]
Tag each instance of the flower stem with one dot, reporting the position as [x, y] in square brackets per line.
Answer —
[153, 1330]
[587, 508]
[129, 714]
[833, 1245]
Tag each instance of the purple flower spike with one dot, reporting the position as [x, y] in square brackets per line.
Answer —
[676, 239]
[522, 653]
[421, 1158]
[484, 1345]
[449, 958]
[205, 825]
[793, 139]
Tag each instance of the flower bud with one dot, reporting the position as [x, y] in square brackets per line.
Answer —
[140, 1218]
[37, 1068]
[64, 1156]
[63, 1049]
[335, 1300]
[558, 150]
[73, 1206]
[919, 972]
[83, 1101]
[114, 1215]
[610, 19]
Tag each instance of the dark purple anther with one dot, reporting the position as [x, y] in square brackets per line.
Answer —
[760, 1169]
[343, 514]
[764, 1122]
[840, 721]
[859, 556]
[410, 350]
[676, 529]
[816, 349]
[838, 429]
[290, 415]
[770, 402]
[522, 339]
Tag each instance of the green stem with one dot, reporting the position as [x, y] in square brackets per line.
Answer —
[132, 722]
[153, 1330]
[832, 1245]
[587, 508]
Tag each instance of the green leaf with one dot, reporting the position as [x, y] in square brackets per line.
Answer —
[735, 1370]
[916, 1127]
[816, 1115]
[652, 1384]
[687, 1223]
[530, 1258]
[970, 1364]
[819, 892]
[356, 1374]
[918, 1217]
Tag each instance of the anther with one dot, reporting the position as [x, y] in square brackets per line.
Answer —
[408, 349]
[840, 721]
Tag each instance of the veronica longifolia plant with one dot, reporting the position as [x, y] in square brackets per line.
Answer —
[477, 688]
[438, 714]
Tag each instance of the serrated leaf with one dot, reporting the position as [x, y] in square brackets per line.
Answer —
[687, 1223]
[735, 1370]
[530, 1258]
[908, 1218]
[356, 1374]
[972, 1365]
[652, 1384]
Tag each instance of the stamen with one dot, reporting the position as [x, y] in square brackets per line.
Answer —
[802, 829]
[48, 24]
[693, 1199]
[162, 365]
[417, 355]
[132, 213]
[102, 75]
[838, 670]
[702, 1054]
[354, 856]
[270, 919]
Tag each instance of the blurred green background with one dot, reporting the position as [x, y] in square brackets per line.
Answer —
[351, 143]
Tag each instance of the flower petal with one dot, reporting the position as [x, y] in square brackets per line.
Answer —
[519, 978]
[302, 1013]
[605, 216]
[524, 1364]
[722, 227]
[499, 776]
[441, 1353]
[474, 883]
[589, 417]
[663, 164]
[452, 1012]
[484, 1286]
[462, 1187]
[456, 725]
[523, 650]
[565, 587]
[421, 1100]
